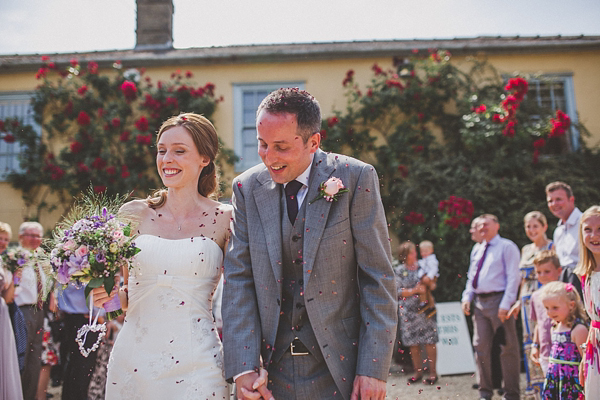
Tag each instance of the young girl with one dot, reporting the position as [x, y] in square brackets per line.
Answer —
[589, 271]
[568, 333]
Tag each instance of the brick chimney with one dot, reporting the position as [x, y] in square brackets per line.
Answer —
[154, 29]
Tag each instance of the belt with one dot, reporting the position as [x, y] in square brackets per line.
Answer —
[298, 348]
[489, 294]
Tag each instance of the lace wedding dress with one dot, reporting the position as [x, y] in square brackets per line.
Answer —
[169, 347]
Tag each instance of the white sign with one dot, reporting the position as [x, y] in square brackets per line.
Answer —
[454, 350]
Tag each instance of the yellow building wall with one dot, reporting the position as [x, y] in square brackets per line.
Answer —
[323, 79]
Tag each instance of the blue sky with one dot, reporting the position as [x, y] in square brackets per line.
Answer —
[59, 26]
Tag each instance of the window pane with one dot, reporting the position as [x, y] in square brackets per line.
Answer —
[14, 106]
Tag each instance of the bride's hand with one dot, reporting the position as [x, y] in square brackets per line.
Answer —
[100, 296]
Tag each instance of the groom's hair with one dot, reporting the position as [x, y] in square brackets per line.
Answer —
[299, 103]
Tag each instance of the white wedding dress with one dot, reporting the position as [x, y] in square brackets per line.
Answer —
[169, 347]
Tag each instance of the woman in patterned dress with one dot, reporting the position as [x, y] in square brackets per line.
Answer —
[535, 228]
[415, 327]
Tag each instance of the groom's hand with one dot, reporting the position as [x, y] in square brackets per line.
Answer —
[367, 388]
[253, 386]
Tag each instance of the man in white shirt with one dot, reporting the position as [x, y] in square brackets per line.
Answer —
[492, 283]
[561, 204]
[26, 297]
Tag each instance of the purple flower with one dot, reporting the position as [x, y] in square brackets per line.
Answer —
[101, 258]
[62, 274]
[76, 263]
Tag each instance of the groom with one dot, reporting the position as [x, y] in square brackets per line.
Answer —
[309, 288]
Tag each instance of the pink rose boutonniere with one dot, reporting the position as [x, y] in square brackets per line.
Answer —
[330, 190]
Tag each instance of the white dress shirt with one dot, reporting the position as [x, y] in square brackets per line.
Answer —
[499, 272]
[303, 179]
[566, 239]
[27, 293]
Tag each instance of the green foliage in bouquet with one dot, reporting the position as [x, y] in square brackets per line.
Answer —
[450, 144]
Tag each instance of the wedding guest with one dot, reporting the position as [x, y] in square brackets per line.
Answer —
[77, 368]
[5, 236]
[535, 229]
[561, 203]
[10, 381]
[547, 269]
[416, 328]
[492, 284]
[27, 296]
[49, 357]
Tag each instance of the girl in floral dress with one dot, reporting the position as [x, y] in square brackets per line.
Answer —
[568, 333]
[589, 271]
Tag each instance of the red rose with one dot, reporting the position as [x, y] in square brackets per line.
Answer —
[99, 163]
[403, 170]
[418, 149]
[497, 118]
[82, 90]
[349, 77]
[92, 67]
[391, 83]
[111, 170]
[99, 189]
[172, 101]
[9, 138]
[144, 139]
[45, 58]
[509, 129]
[377, 70]
[210, 88]
[82, 168]
[124, 136]
[129, 90]
[142, 124]
[76, 147]
[116, 122]
[51, 65]
[74, 62]
[83, 118]
[538, 144]
[188, 74]
[481, 109]
[370, 92]
[124, 171]
[414, 218]
[332, 121]
[41, 73]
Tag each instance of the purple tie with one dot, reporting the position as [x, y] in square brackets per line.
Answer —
[291, 190]
[479, 265]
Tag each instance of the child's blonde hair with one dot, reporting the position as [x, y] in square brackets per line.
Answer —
[568, 291]
[426, 244]
[587, 262]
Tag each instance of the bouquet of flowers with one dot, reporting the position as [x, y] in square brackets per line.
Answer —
[14, 259]
[90, 246]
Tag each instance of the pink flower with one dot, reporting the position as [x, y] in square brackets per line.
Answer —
[569, 287]
[349, 77]
[333, 186]
[74, 62]
[82, 90]
[81, 251]
[92, 67]
[124, 136]
[332, 121]
[76, 147]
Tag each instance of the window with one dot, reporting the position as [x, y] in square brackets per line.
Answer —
[14, 105]
[556, 92]
[246, 99]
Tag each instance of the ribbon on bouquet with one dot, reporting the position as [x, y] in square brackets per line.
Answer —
[90, 327]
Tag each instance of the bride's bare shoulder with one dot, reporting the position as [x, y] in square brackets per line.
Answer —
[135, 209]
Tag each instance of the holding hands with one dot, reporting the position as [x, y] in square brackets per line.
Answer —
[253, 386]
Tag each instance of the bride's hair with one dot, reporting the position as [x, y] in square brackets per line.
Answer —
[205, 138]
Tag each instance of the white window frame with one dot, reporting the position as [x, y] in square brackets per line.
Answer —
[570, 104]
[238, 116]
[15, 104]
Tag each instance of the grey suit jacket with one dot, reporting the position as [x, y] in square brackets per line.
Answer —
[349, 282]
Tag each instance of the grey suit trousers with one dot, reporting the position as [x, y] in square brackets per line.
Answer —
[485, 324]
[302, 378]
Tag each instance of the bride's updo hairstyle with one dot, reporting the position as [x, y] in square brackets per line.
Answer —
[205, 138]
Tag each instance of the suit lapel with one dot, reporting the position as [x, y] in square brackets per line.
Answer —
[268, 202]
[317, 212]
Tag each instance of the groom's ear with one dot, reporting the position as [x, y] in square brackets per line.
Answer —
[314, 141]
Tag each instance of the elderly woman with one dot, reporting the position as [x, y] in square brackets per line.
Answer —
[9, 365]
[535, 225]
[416, 328]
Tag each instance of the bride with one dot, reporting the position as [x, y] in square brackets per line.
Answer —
[169, 346]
